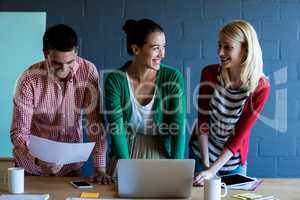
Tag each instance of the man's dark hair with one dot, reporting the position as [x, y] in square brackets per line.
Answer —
[137, 32]
[60, 37]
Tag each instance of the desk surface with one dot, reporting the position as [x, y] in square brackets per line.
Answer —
[59, 188]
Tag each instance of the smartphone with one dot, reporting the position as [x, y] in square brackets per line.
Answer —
[81, 184]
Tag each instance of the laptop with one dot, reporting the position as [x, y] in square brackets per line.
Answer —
[160, 178]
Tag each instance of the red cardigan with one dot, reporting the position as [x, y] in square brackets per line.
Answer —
[239, 141]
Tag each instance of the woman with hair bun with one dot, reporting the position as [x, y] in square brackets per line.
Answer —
[231, 97]
[144, 99]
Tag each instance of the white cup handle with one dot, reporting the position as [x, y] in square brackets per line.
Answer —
[225, 188]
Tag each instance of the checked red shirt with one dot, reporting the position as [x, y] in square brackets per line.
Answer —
[45, 108]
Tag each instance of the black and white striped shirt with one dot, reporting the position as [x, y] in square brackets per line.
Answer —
[225, 108]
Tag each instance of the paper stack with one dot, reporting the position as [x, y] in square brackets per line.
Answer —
[253, 196]
[251, 186]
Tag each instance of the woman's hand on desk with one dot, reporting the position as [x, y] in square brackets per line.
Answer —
[101, 177]
[199, 177]
[213, 169]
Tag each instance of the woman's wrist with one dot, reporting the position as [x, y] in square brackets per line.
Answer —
[205, 164]
[206, 167]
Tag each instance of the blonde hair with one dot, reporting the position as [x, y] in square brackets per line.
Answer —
[252, 65]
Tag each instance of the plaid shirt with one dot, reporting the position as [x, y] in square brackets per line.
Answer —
[48, 109]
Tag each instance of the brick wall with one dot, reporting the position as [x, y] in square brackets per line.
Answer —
[191, 28]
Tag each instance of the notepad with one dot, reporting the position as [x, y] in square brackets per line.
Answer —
[24, 197]
[252, 196]
[246, 196]
[78, 198]
[89, 195]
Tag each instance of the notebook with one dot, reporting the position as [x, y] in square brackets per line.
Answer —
[161, 178]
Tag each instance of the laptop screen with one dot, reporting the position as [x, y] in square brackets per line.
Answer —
[155, 178]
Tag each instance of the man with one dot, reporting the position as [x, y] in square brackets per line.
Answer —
[50, 101]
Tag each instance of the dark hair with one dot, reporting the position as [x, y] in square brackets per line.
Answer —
[60, 37]
[138, 31]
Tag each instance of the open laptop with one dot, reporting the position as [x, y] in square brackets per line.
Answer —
[161, 178]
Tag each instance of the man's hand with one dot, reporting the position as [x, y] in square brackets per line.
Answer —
[49, 168]
[101, 177]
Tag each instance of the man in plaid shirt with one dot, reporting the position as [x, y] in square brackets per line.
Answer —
[52, 100]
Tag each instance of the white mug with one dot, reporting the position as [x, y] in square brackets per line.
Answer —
[15, 180]
[212, 188]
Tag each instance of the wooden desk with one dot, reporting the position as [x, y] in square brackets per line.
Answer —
[5, 163]
[59, 188]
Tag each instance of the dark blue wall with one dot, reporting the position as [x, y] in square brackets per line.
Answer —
[191, 28]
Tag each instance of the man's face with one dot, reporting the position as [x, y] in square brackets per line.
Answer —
[60, 62]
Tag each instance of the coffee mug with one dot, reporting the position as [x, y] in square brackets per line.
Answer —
[15, 180]
[212, 188]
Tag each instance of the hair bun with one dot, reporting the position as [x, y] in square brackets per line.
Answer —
[129, 25]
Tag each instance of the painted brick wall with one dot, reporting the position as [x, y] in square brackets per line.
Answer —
[191, 28]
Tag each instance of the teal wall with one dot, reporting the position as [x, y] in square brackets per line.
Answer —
[20, 46]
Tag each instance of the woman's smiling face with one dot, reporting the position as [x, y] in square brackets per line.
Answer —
[153, 51]
[231, 53]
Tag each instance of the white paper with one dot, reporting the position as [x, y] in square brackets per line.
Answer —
[59, 152]
[24, 197]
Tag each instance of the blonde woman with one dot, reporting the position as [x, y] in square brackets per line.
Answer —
[231, 96]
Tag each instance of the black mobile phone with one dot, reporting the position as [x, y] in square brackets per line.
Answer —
[81, 184]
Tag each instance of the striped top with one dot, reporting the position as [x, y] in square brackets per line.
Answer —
[225, 108]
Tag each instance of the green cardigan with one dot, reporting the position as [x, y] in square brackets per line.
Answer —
[169, 110]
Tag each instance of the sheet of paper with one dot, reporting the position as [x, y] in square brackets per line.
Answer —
[59, 152]
[24, 197]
